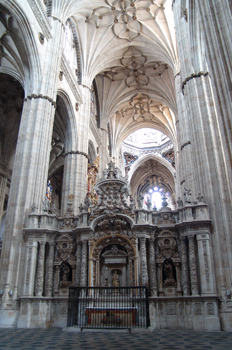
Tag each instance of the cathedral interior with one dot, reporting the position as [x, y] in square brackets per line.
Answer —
[115, 164]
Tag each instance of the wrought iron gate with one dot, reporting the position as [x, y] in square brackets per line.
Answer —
[108, 307]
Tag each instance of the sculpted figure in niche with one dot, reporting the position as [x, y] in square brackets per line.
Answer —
[168, 274]
[65, 273]
[115, 279]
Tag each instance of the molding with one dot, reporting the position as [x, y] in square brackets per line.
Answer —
[198, 75]
[94, 130]
[185, 144]
[78, 152]
[70, 80]
[57, 19]
[41, 17]
[40, 96]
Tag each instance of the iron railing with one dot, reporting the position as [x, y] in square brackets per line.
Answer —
[108, 307]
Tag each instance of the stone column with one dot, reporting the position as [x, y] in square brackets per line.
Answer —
[205, 264]
[76, 156]
[160, 276]
[178, 287]
[40, 270]
[49, 282]
[78, 264]
[201, 86]
[130, 273]
[193, 265]
[143, 262]
[56, 281]
[30, 170]
[184, 265]
[31, 258]
[84, 281]
[152, 268]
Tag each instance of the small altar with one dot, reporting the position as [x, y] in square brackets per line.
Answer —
[112, 317]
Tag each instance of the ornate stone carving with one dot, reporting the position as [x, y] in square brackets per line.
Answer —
[167, 246]
[40, 269]
[65, 248]
[193, 265]
[206, 262]
[117, 239]
[152, 268]
[143, 262]
[78, 263]
[210, 308]
[35, 309]
[49, 279]
[41, 17]
[197, 309]
[169, 156]
[83, 281]
[113, 191]
[124, 17]
[28, 270]
[185, 273]
[112, 225]
[171, 309]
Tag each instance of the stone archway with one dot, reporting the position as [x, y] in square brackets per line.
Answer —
[125, 263]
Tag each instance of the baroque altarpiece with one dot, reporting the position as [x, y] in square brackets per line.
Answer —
[116, 243]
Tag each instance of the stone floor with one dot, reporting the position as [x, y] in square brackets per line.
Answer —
[166, 340]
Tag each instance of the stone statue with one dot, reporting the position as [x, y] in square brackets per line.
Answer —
[64, 275]
[140, 201]
[187, 195]
[115, 279]
[180, 202]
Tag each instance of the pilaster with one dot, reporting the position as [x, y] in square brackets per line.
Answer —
[143, 262]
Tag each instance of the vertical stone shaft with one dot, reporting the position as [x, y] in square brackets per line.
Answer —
[30, 170]
[143, 262]
[152, 268]
[31, 258]
[193, 265]
[49, 281]
[78, 264]
[83, 281]
[205, 264]
[184, 265]
[40, 269]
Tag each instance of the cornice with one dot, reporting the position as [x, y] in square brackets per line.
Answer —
[41, 17]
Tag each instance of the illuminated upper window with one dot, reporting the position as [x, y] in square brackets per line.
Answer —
[155, 196]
